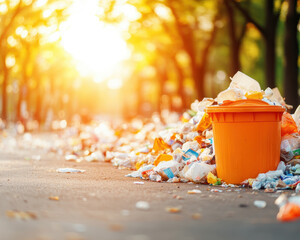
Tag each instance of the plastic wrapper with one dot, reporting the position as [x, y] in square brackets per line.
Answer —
[288, 125]
[281, 166]
[96, 156]
[206, 102]
[297, 189]
[204, 123]
[267, 180]
[176, 145]
[206, 155]
[277, 98]
[198, 171]
[230, 95]
[290, 147]
[139, 172]
[190, 153]
[296, 117]
[289, 212]
[139, 164]
[194, 145]
[160, 145]
[268, 93]
[167, 169]
[191, 136]
[186, 128]
[69, 170]
[254, 95]
[161, 158]
[245, 83]
[289, 208]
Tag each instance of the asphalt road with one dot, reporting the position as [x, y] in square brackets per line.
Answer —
[100, 204]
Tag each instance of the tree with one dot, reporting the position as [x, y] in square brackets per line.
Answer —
[291, 52]
[268, 32]
[26, 26]
[7, 21]
[235, 38]
[31, 45]
[188, 35]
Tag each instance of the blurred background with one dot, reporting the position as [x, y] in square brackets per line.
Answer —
[62, 59]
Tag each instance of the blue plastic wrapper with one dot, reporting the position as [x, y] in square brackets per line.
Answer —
[189, 153]
[169, 172]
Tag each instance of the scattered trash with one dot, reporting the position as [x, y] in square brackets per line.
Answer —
[297, 189]
[54, 198]
[178, 197]
[20, 215]
[269, 190]
[116, 227]
[243, 205]
[196, 216]
[198, 171]
[260, 204]
[216, 190]
[142, 205]
[69, 170]
[174, 209]
[139, 183]
[71, 158]
[194, 191]
[212, 179]
[289, 212]
[289, 208]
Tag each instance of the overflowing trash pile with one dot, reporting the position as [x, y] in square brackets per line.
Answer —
[181, 149]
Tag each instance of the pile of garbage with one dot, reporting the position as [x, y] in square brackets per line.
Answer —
[181, 149]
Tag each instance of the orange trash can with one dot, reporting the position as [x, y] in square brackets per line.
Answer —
[247, 138]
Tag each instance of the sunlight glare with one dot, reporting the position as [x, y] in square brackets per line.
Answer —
[114, 83]
[97, 47]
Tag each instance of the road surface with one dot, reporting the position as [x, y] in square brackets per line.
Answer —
[101, 204]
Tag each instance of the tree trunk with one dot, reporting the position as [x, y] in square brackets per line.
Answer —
[162, 78]
[187, 37]
[38, 104]
[198, 79]
[234, 43]
[269, 34]
[23, 93]
[270, 59]
[180, 87]
[4, 87]
[18, 107]
[139, 95]
[291, 51]
[202, 66]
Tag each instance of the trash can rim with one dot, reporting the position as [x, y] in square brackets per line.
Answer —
[245, 105]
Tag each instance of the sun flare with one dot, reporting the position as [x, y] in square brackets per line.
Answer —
[97, 47]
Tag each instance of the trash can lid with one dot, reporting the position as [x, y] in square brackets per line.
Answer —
[245, 105]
